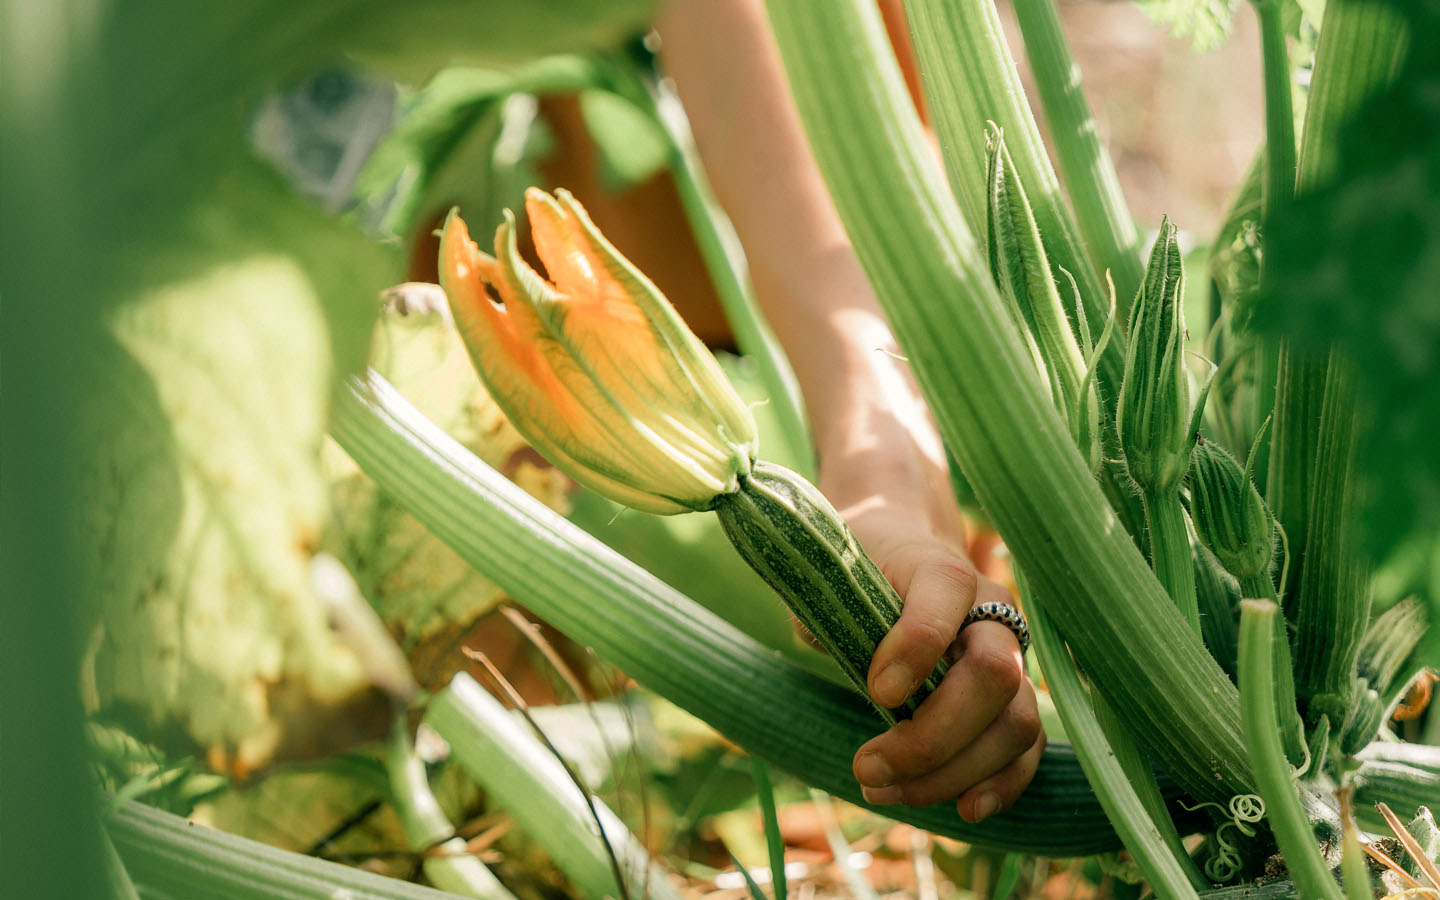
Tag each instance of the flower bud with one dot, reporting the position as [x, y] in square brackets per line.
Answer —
[1230, 517]
[593, 366]
[1154, 416]
[1021, 270]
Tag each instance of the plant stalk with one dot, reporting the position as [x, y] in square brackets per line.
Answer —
[993, 410]
[1277, 186]
[1333, 606]
[1170, 553]
[1101, 213]
[725, 260]
[1361, 44]
[445, 860]
[774, 708]
[970, 79]
[1262, 741]
[1118, 774]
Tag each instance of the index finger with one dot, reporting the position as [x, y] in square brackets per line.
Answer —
[939, 593]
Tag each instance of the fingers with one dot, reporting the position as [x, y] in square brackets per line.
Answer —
[999, 792]
[972, 694]
[939, 588]
[978, 736]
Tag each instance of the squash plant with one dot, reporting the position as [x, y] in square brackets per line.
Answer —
[1083, 440]
[152, 226]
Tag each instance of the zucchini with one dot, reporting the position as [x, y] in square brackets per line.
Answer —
[791, 535]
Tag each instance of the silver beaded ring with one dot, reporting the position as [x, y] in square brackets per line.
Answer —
[1006, 615]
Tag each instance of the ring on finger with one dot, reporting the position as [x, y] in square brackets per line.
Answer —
[1003, 613]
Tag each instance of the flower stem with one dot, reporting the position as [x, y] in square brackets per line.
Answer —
[1267, 757]
[1170, 553]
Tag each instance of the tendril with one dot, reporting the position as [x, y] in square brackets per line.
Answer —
[1243, 812]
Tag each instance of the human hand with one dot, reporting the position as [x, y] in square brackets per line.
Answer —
[978, 736]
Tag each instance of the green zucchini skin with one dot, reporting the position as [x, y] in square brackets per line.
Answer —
[791, 535]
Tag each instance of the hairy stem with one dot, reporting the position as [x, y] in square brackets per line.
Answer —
[1170, 553]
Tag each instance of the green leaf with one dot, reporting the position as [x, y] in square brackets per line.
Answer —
[469, 138]
[630, 143]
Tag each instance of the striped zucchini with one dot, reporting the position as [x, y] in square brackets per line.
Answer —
[791, 535]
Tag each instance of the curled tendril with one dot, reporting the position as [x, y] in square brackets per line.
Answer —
[1244, 811]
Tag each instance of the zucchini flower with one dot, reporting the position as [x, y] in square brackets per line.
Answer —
[1155, 421]
[593, 366]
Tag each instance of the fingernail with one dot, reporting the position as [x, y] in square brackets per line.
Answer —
[986, 806]
[894, 684]
[871, 770]
[883, 796]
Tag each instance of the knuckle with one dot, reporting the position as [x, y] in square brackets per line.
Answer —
[1023, 722]
[957, 574]
[899, 563]
[927, 633]
[997, 669]
[920, 750]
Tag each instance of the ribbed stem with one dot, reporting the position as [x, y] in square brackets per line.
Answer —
[1117, 771]
[1333, 605]
[446, 861]
[1360, 46]
[1090, 179]
[1262, 740]
[1278, 188]
[773, 708]
[1292, 733]
[1170, 553]
[1279, 185]
[170, 856]
[993, 411]
[585, 839]
[969, 80]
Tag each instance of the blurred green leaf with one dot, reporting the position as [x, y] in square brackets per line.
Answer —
[468, 138]
[213, 636]
[1357, 265]
[1205, 22]
[630, 143]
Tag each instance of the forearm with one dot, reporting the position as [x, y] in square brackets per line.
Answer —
[806, 276]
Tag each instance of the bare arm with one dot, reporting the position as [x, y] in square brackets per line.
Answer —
[881, 461]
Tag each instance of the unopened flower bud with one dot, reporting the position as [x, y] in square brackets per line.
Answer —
[1154, 417]
[1229, 515]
